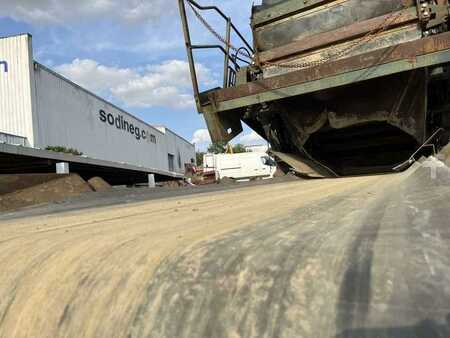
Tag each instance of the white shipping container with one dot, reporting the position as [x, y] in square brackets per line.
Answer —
[46, 109]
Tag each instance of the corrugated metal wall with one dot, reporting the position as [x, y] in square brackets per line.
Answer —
[13, 139]
[15, 87]
[70, 116]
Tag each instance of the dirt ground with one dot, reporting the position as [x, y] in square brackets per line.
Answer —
[353, 257]
[42, 189]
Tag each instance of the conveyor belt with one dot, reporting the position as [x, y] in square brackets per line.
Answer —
[352, 257]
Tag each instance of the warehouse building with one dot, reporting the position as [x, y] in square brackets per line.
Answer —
[39, 109]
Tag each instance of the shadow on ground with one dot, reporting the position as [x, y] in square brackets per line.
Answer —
[423, 329]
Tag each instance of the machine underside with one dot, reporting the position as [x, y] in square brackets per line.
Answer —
[366, 127]
[341, 87]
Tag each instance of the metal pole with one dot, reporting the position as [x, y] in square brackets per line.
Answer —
[190, 56]
[227, 54]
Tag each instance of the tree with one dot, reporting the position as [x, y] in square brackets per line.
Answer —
[61, 149]
[239, 148]
[221, 148]
[199, 158]
[217, 148]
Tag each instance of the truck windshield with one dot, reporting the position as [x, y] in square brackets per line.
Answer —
[267, 160]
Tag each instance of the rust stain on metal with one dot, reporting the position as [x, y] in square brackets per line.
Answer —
[342, 34]
[406, 51]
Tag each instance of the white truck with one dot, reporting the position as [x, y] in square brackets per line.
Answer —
[239, 166]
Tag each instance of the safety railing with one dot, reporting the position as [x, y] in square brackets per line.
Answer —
[431, 142]
[233, 57]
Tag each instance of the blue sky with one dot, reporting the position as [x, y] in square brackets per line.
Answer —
[130, 52]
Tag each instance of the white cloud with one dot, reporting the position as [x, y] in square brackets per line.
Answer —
[90, 74]
[251, 138]
[201, 137]
[167, 84]
[61, 11]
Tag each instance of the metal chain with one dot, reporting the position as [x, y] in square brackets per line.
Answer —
[343, 52]
[330, 57]
[217, 35]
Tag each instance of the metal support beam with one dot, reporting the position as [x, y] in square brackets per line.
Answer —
[227, 54]
[336, 81]
[190, 56]
[408, 56]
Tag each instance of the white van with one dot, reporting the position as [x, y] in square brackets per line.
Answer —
[239, 166]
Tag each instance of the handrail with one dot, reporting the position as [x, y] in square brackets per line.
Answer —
[214, 8]
[231, 65]
[232, 59]
[412, 158]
